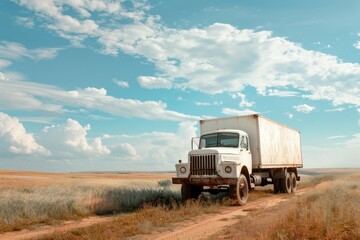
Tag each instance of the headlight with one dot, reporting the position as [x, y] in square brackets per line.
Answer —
[228, 169]
[183, 170]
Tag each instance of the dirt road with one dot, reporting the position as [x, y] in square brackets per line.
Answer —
[47, 230]
[209, 226]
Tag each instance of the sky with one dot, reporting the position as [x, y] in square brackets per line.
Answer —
[107, 85]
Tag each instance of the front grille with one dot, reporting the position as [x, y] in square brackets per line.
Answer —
[203, 165]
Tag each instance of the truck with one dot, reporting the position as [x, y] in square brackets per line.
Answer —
[235, 154]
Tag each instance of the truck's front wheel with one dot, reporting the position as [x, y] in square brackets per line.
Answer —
[240, 191]
[189, 191]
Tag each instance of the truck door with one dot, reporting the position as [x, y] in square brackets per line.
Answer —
[245, 153]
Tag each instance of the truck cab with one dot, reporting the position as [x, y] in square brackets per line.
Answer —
[221, 158]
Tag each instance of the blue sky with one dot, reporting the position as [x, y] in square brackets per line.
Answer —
[120, 85]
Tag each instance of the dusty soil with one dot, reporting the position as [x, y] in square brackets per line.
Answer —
[47, 230]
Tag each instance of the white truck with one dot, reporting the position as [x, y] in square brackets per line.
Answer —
[238, 153]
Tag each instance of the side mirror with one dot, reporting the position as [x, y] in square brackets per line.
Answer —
[195, 143]
[202, 143]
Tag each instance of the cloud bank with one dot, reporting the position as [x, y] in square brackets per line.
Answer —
[212, 59]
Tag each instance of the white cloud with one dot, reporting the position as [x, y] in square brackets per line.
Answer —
[25, 21]
[236, 112]
[155, 150]
[154, 82]
[280, 93]
[357, 45]
[215, 103]
[2, 76]
[4, 63]
[14, 138]
[336, 137]
[335, 110]
[13, 51]
[202, 104]
[71, 138]
[244, 102]
[96, 91]
[80, 26]
[290, 115]
[232, 59]
[34, 96]
[304, 108]
[121, 84]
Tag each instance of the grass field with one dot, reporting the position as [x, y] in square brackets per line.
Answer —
[28, 199]
[144, 203]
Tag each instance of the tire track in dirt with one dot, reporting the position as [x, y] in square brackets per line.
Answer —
[203, 229]
[48, 230]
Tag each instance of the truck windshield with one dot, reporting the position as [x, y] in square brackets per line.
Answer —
[221, 140]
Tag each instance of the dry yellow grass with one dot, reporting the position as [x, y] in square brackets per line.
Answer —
[27, 179]
[28, 198]
[331, 211]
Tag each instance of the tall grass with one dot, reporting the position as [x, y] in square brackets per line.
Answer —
[332, 213]
[20, 208]
[329, 211]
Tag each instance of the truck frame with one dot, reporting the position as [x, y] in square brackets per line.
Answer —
[238, 153]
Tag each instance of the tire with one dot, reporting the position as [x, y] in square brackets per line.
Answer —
[189, 191]
[277, 187]
[286, 183]
[240, 191]
[293, 182]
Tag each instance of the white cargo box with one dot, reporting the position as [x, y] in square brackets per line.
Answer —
[272, 145]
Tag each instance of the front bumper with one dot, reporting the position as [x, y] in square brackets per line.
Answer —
[205, 181]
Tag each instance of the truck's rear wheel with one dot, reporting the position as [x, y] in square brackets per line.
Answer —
[277, 185]
[240, 191]
[293, 182]
[189, 191]
[286, 183]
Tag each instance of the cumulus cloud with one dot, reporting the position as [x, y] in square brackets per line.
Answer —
[155, 150]
[304, 108]
[154, 82]
[80, 26]
[71, 138]
[96, 91]
[15, 139]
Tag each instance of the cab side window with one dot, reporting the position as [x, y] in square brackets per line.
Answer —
[244, 143]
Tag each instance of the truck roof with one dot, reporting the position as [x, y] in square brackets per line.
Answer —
[227, 130]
